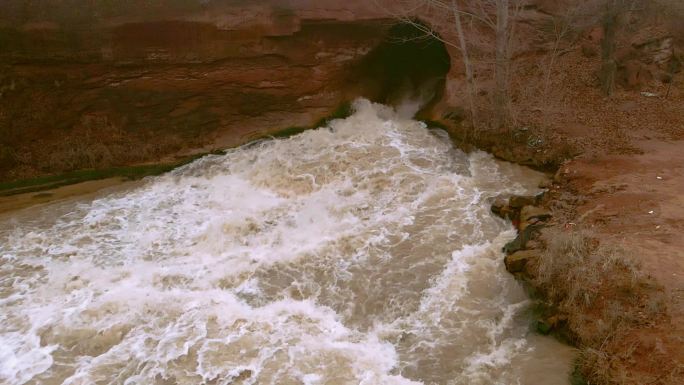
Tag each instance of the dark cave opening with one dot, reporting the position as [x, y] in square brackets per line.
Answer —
[409, 65]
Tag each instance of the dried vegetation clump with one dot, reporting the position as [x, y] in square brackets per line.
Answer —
[600, 294]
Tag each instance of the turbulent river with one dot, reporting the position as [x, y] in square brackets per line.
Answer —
[359, 253]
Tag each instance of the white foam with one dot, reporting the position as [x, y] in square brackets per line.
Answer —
[356, 253]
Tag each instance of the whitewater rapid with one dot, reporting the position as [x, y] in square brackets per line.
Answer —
[363, 252]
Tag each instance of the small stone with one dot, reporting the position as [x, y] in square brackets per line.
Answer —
[516, 262]
[245, 374]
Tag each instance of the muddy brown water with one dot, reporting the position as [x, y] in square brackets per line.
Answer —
[359, 253]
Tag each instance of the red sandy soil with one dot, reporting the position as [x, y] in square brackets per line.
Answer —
[627, 186]
[637, 201]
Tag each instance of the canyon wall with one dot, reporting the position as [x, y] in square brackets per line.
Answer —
[102, 84]
[90, 85]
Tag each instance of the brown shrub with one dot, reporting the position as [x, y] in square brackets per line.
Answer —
[603, 294]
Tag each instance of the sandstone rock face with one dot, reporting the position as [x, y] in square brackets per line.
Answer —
[129, 82]
[162, 87]
[122, 83]
[135, 83]
[649, 57]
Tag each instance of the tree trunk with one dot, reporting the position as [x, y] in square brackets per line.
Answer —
[501, 63]
[466, 62]
[608, 63]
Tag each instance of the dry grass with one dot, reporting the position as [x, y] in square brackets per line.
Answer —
[97, 142]
[603, 295]
[94, 154]
[576, 270]
[605, 365]
[94, 142]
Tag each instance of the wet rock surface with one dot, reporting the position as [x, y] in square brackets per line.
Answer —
[516, 262]
[529, 220]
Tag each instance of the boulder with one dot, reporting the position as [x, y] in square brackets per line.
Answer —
[500, 208]
[529, 213]
[524, 235]
[520, 201]
[522, 225]
[516, 262]
[514, 245]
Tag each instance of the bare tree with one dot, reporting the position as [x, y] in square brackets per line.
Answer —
[608, 45]
[470, 79]
[501, 62]
[462, 31]
[561, 28]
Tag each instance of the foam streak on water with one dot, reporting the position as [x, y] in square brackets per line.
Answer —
[359, 253]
